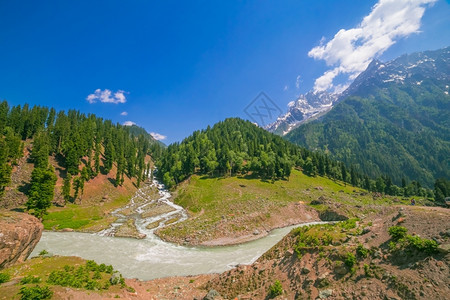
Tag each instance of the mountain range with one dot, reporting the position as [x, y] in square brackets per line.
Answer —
[393, 119]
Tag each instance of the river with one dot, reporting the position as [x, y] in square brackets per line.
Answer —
[151, 258]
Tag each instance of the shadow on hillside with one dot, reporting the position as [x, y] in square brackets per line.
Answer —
[24, 187]
[18, 209]
[112, 181]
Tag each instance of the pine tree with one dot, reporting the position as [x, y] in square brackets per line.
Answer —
[41, 191]
[41, 150]
[353, 176]
[78, 185]
[109, 155]
[5, 168]
[344, 173]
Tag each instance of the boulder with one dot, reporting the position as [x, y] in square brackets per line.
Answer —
[212, 294]
[325, 293]
[322, 281]
[19, 234]
[332, 215]
[444, 248]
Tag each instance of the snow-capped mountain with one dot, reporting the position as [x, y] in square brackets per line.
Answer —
[407, 69]
[306, 107]
[413, 68]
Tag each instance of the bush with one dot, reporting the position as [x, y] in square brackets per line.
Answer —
[397, 232]
[367, 270]
[97, 275]
[4, 278]
[35, 293]
[361, 251]
[43, 252]
[348, 224]
[350, 260]
[275, 289]
[422, 245]
[88, 276]
[401, 240]
[30, 279]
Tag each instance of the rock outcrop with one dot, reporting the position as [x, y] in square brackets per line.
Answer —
[19, 234]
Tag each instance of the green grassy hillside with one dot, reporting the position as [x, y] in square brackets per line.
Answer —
[241, 205]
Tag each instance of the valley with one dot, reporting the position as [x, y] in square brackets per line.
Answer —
[234, 211]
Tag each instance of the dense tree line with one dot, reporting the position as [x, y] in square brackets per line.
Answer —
[237, 147]
[85, 145]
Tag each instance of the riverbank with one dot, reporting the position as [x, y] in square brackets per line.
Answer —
[231, 210]
[206, 211]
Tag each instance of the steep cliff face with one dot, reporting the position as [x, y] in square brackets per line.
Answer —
[19, 234]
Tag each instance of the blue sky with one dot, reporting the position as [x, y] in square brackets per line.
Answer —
[173, 67]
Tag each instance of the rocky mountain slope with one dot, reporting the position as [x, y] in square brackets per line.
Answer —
[394, 119]
[355, 259]
[308, 106]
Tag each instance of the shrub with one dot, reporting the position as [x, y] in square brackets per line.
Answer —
[4, 278]
[327, 239]
[91, 265]
[348, 224]
[102, 268]
[30, 279]
[275, 289]
[87, 276]
[43, 252]
[97, 275]
[367, 270]
[397, 232]
[350, 260]
[361, 251]
[422, 245]
[109, 269]
[392, 246]
[35, 293]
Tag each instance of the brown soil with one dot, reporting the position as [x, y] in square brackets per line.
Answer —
[159, 289]
[21, 175]
[318, 275]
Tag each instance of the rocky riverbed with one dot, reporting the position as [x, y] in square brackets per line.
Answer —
[149, 209]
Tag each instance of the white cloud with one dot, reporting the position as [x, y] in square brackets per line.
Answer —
[157, 136]
[286, 87]
[128, 123]
[106, 96]
[124, 113]
[350, 51]
[297, 82]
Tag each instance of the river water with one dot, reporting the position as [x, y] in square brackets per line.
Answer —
[151, 257]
